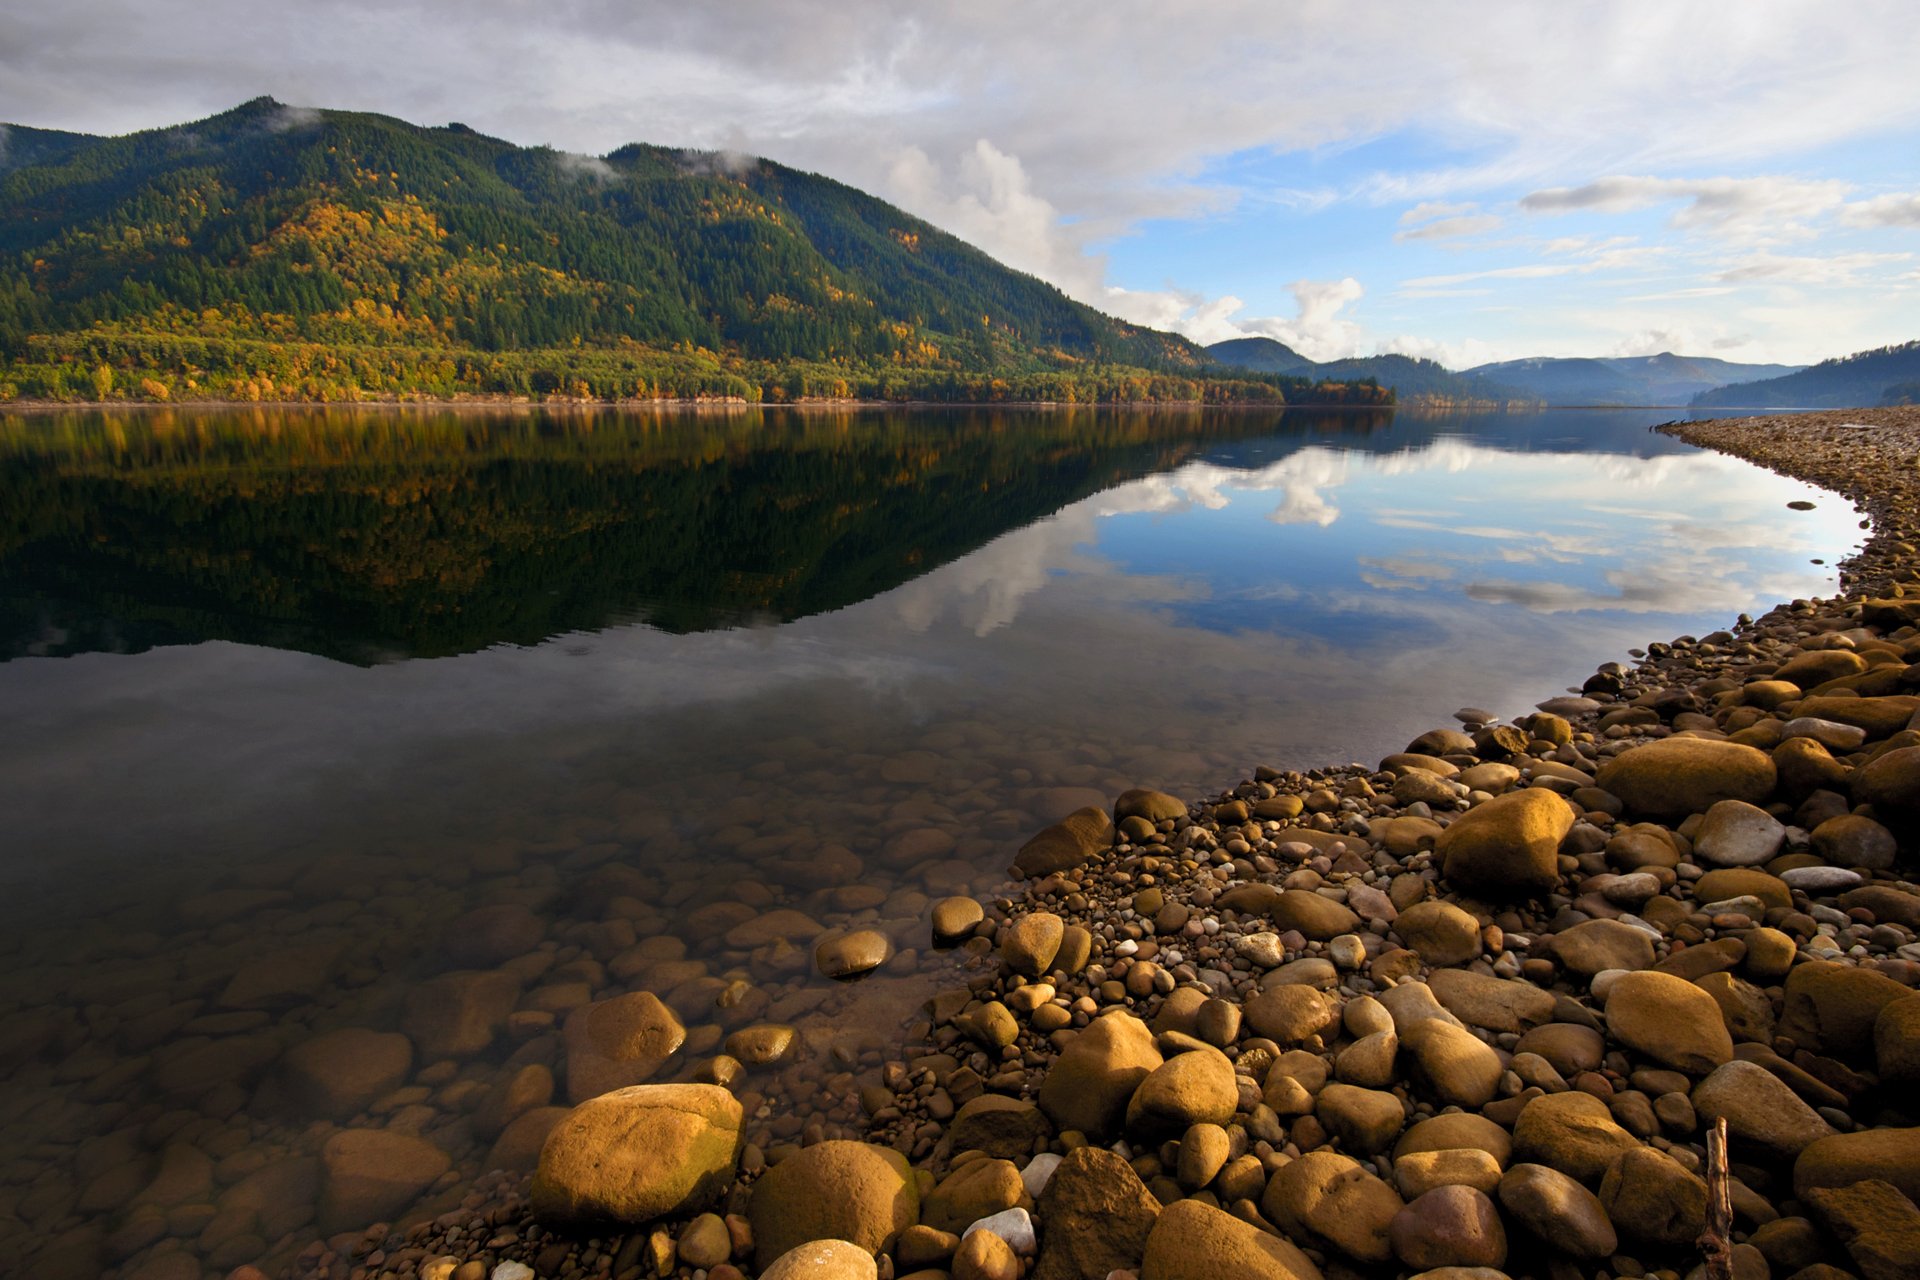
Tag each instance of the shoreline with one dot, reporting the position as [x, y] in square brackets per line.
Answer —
[1330, 1032]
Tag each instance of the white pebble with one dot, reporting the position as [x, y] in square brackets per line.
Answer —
[512, 1271]
[1012, 1225]
[1039, 1172]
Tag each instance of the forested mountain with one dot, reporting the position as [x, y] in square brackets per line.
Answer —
[1410, 378]
[1886, 375]
[279, 253]
[1665, 379]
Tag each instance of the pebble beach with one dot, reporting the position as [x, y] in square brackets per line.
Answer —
[1470, 1011]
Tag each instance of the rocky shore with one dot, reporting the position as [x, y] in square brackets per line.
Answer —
[1473, 1011]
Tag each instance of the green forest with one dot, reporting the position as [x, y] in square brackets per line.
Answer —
[273, 254]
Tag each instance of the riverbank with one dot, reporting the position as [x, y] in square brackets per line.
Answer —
[1476, 1007]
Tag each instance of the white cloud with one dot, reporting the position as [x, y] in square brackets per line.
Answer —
[1729, 206]
[1883, 211]
[1453, 228]
[1835, 269]
[1430, 209]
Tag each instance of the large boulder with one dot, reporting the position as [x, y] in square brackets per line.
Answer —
[977, 1189]
[457, 1015]
[637, 1154]
[1831, 1008]
[619, 1042]
[1675, 777]
[1595, 945]
[1194, 1241]
[1334, 1199]
[1098, 1217]
[1029, 944]
[1759, 1109]
[370, 1175]
[1066, 844]
[1090, 1082]
[1290, 1014]
[1441, 932]
[1891, 1155]
[1651, 1198]
[338, 1074]
[1196, 1087]
[1457, 1066]
[1558, 1210]
[1002, 1127]
[1737, 834]
[1669, 1020]
[1449, 1226]
[1573, 1132]
[1507, 846]
[1891, 784]
[823, 1260]
[835, 1190]
[1896, 1043]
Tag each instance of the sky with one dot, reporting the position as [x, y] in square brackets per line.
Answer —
[1465, 181]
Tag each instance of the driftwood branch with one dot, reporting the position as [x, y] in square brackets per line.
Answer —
[1716, 1242]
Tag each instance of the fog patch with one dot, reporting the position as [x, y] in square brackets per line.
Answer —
[592, 168]
[288, 119]
[718, 164]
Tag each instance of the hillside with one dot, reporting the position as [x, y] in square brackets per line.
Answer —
[1410, 378]
[1887, 375]
[1664, 379]
[274, 253]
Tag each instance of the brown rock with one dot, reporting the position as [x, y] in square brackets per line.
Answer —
[1066, 844]
[1596, 945]
[619, 1042]
[457, 1015]
[1451, 1226]
[834, 1190]
[1558, 1210]
[338, 1074]
[1892, 1155]
[1098, 1217]
[1669, 1020]
[975, 1190]
[1649, 1197]
[1089, 1085]
[1507, 846]
[638, 1154]
[1675, 777]
[1879, 1226]
[1194, 1241]
[1332, 1198]
[1572, 1132]
[1831, 1008]
[1000, 1126]
[1196, 1087]
[1290, 1014]
[370, 1175]
[822, 1260]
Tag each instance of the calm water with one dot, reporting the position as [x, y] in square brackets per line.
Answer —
[320, 682]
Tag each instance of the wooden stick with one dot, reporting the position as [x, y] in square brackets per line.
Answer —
[1716, 1242]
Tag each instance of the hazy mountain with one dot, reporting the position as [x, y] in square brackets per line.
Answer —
[1409, 377]
[275, 253]
[1887, 375]
[1665, 379]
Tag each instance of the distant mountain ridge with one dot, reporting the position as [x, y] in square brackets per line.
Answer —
[275, 253]
[1411, 378]
[1885, 375]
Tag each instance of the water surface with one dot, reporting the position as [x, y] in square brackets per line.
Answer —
[323, 681]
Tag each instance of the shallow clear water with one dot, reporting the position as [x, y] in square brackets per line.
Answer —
[323, 681]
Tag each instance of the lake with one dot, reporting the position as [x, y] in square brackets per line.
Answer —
[308, 707]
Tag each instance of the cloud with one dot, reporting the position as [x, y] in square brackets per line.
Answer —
[1835, 269]
[580, 166]
[1883, 211]
[288, 119]
[1453, 228]
[1726, 206]
[1429, 209]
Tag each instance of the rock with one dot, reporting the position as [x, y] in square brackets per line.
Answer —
[284, 977]
[1570, 1047]
[1558, 1210]
[1675, 777]
[1364, 1121]
[519, 1145]
[1804, 767]
[920, 1246]
[1769, 953]
[1892, 1155]
[1420, 1172]
[488, 937]
[1742, 882]
[1669, 1020]
[975, 1190]
[1450, 1226]
[1458, 1067]
[619, 1042]
[638, 1154]
[837, 1190]
[705, 1242]
[1853, 841]
[1029, 944]
[851, 954]
[1370, 1060]
[510, 1097]
[1596, 945]
[1881, 717]
[1194, 1241]
[1442, 933]
[1291, 1014]
[1650, 1198]
[1507, 846]
[823, 1260]
[1896, 1043]
[1090, 1083]
[762, 1044]
[1888, 904]
[1737, 834]
[1817, 666]
[782, 924]
[1098, 1215]
[1891, 784]
[1196, 1087]
[1006, 1128]
[1744, 1007]
[1481, 1000]
[338, 1074]
[1154, 806]
[1456, 1130]
[1831, 1008]
[983, 1255]
[1572, 1132]
[1879, 1226]
[1066, 844]
[1332, 1198]
[370, 1175]
[457, 1015]
[1204, 1151]
[954, 920]
[1015, 1226]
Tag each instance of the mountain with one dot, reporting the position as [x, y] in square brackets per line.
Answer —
[1410, 378]
[1264, 354]
[280, 253]
[1887, 375]
[1665, 379]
